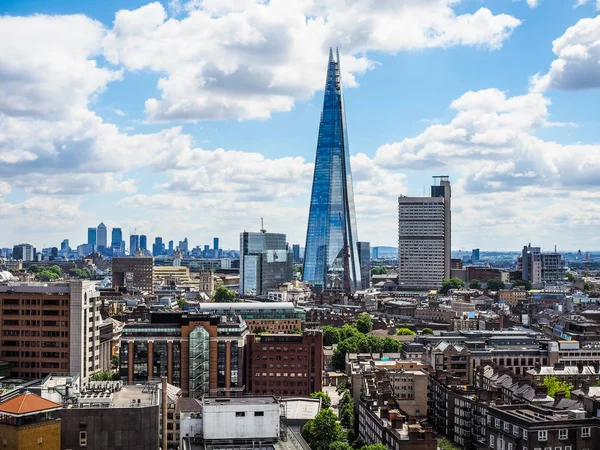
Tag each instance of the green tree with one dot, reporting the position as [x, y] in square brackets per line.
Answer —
[524, 283]
[391, 345]
[115, 362]
[341, 386]
[331, 335]
[405, 332]
[554, 385]
[224, 295]
[57, 270]
[379, 270]
[325, 398]
[445, 444]
[427, 331]
[106, 375]
[348, 331]
[34, 269]
[374, 447]
[571, 276]
[364, 324]
[80, 273]
[340, 446]
[181, 303]
[46, 275]
[495, 284]
[347, 410]
[338, 359]
[451, 283]
[323, 430]
[475, 284]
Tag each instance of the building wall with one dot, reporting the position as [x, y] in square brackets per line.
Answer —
[26, 437]
[141, 270]
[284, 365]
[240, 420]
[274, 325]
[111, 428]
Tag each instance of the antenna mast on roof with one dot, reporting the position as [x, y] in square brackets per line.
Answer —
[262, 226]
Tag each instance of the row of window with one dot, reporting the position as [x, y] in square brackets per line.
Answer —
[563, 434]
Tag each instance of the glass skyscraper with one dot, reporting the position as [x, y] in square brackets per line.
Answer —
[331, 256]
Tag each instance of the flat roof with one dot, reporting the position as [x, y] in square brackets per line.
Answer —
[245, 306]
[246, 400]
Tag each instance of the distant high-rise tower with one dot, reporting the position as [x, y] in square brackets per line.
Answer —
[424, 227]
[364, 256]
[475, 255]
[134, 244]
[116, 237]
[101, 235]
[170, 247]
[216, 244]
[92, 237]
[143, 242]
[157, 247]
[331, 256]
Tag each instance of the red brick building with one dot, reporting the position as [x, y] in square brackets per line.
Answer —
[284, 364]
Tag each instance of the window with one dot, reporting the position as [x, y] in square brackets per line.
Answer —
[259, 413]
[510, 446]
[557, 448]
[515, 430]
[240, 414]
[506, 427]
[585, 432]
[568, 447]
[491, 441]
[497, 423]
[563, 434]
[543, 435]
[83, 438]
[525, 433]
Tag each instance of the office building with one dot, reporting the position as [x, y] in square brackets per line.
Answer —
[531, 264]
[330, 255]
[202, 354]
[475, 255]
[184, 246]
[424, 227]
[24, 252]
[64, 246]
[554, 267]
[364, 257]
[116, 242]
[216, 244]
[171, 249]
[134, 244]
[28, 421]
[296, 253]
[91, 236]
[157, 247]
[101, 236]
[50, 328]
[284, 364]
[143, 242]
[265, 261]
[133, 273]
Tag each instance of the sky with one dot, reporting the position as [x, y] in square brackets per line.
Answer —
[198, 118]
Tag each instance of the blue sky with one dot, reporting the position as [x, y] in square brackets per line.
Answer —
[197, 118]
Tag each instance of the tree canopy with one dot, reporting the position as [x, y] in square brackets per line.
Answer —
[525, 283]
[80, 273]
[427, 331]
[379, 270]
[495, 284]
[445, 444]
[363, 344]
[364, 324]
[554, 385]
[451, 283]
[224, 295]
[323, 430]
[347, 410]
[475, 284]
[325, 398]
[331, 335]
[46, 275]
[405, 332]
[374, 447]
[340, 446]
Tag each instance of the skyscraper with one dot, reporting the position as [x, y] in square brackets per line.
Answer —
[265, 261]
[216, 243]
[331, 256]
[143, 242]
[101, 235]
[116, 237]
[92, 237]
[364, 257]
[134, 244]
[424, 228]
[475, 255]
[157, 247]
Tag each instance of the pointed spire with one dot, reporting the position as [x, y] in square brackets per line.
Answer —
[330, 54]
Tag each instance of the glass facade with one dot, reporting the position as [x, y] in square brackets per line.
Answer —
[199, 362]
[331, 256]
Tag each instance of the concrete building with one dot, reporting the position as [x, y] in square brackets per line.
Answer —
[364, 259]
[531, 264]
[285, 364]
[52, 327]
[265, 261]
[133, 273]
[207, 282]
[24, 252]
[554, 268]
[512, 297]
[28, 421]
[241, 419]
[202, 354]
[424, 230]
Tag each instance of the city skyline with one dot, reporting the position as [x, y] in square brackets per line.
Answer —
[124, 126]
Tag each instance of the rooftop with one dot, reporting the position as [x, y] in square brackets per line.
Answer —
[246, 400]
[27, 404]
[240, 306]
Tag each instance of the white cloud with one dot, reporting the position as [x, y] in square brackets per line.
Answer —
[533, 3]
[119, 112]
[246, 60]
[578, 59]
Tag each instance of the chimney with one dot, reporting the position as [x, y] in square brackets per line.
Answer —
[558, 396]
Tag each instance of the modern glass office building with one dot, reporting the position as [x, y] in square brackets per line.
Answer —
[331, 256]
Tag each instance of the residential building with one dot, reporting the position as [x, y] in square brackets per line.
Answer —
[512, 297]
[24, 252]
[265, 261]
[133, 273]
[28, 421]
[331, 256]
[101, 236]
[284, 364]
[528, 427]
[364, 257]
[424, 238]
[91, 236]
[485, 274]
[202, 354]
[52, 327]
[531, 264]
